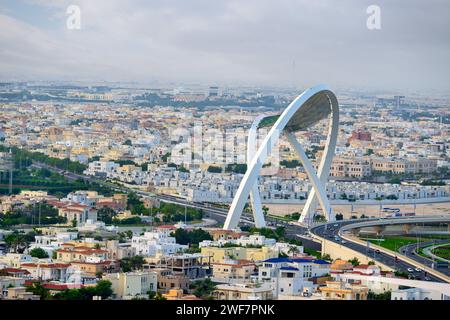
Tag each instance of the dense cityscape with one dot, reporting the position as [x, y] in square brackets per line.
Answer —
[120, 192]
[207, 159]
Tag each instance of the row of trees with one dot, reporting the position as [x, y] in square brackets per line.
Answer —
[26, 157]
[102, 289]
[193, 237]
[42, 213]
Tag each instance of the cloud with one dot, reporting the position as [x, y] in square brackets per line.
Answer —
[252, 42]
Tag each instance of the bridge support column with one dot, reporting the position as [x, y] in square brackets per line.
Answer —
[379, 229]
[407, 228]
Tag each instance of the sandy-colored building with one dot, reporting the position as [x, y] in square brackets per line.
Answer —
[336, 290]
[230, 270]
[243, 292]
[239, 253]
[132, 284]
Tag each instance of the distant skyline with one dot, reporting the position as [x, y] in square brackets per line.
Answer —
[252, 42]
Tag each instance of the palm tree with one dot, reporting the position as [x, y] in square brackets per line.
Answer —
[293, 250]
[17, 242]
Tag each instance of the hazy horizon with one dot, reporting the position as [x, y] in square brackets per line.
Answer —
[264, 43]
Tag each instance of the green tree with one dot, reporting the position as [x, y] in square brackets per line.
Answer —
[204, 288]
[293, 250]
[103, 289]
[214, 169]
[37, 289]
[355, 262]
[39, 253]
[193, 237]
[132, 263]
[159, 296]
[16, 241]
[380, 296]
[106, 215]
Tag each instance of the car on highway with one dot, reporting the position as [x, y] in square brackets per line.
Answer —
[418, 269]
[343, 241]
[410, 270]
[335, 225]
[427, 279]
[377, 251]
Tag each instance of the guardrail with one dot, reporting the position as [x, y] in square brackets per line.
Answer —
[395, 254]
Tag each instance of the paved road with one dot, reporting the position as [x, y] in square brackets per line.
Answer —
[330, 232]
[410, 251]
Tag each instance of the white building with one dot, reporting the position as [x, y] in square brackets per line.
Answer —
[291, 276]
[153, 243]
[417, 294]
[50, 243]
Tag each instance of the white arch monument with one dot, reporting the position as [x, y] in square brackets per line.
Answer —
[313, 105]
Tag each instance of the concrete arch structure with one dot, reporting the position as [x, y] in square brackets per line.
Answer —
[313, 105]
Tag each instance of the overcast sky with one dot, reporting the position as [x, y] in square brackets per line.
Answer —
[259, 42]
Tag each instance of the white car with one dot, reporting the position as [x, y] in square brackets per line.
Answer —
[343, 241]
[410, 270]
[418, 270]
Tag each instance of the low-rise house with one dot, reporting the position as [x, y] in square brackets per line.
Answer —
[239, 253]
[159, 242]
[80, 254]
[167, 280]
[14, 260]
[337, 290]
[20, 293]
[93, 268]
[47, 271]
[117, 250]
[243, 292]
[292, 276]
[50, 243]
[15, 273]
[132, 284]
[178, 294]
[191, 265]
[233, 271]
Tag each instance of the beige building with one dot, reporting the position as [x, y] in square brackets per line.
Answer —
[132, 284]
[167, 280]
[73, 254]
[20, 293]
[350, 167]
[410, 165]
[239, 253]
[243, 292]
[336, 290]
[230, 270]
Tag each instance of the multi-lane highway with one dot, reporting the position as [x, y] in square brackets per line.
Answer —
[331, 233]
[410, 251]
